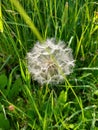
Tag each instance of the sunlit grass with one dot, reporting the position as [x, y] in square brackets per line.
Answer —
[1, 22]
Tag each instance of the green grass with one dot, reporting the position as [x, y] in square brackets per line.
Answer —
[70, 106]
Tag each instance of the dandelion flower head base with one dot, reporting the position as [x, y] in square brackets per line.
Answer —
[48, 62]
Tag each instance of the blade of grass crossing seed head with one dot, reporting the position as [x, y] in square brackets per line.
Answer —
[1, 22]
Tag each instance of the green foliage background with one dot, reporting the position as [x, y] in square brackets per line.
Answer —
[72, 105]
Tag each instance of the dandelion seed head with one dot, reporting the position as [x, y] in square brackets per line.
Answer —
[48, 62]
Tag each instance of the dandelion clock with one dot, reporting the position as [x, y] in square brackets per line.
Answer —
[49, 62]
